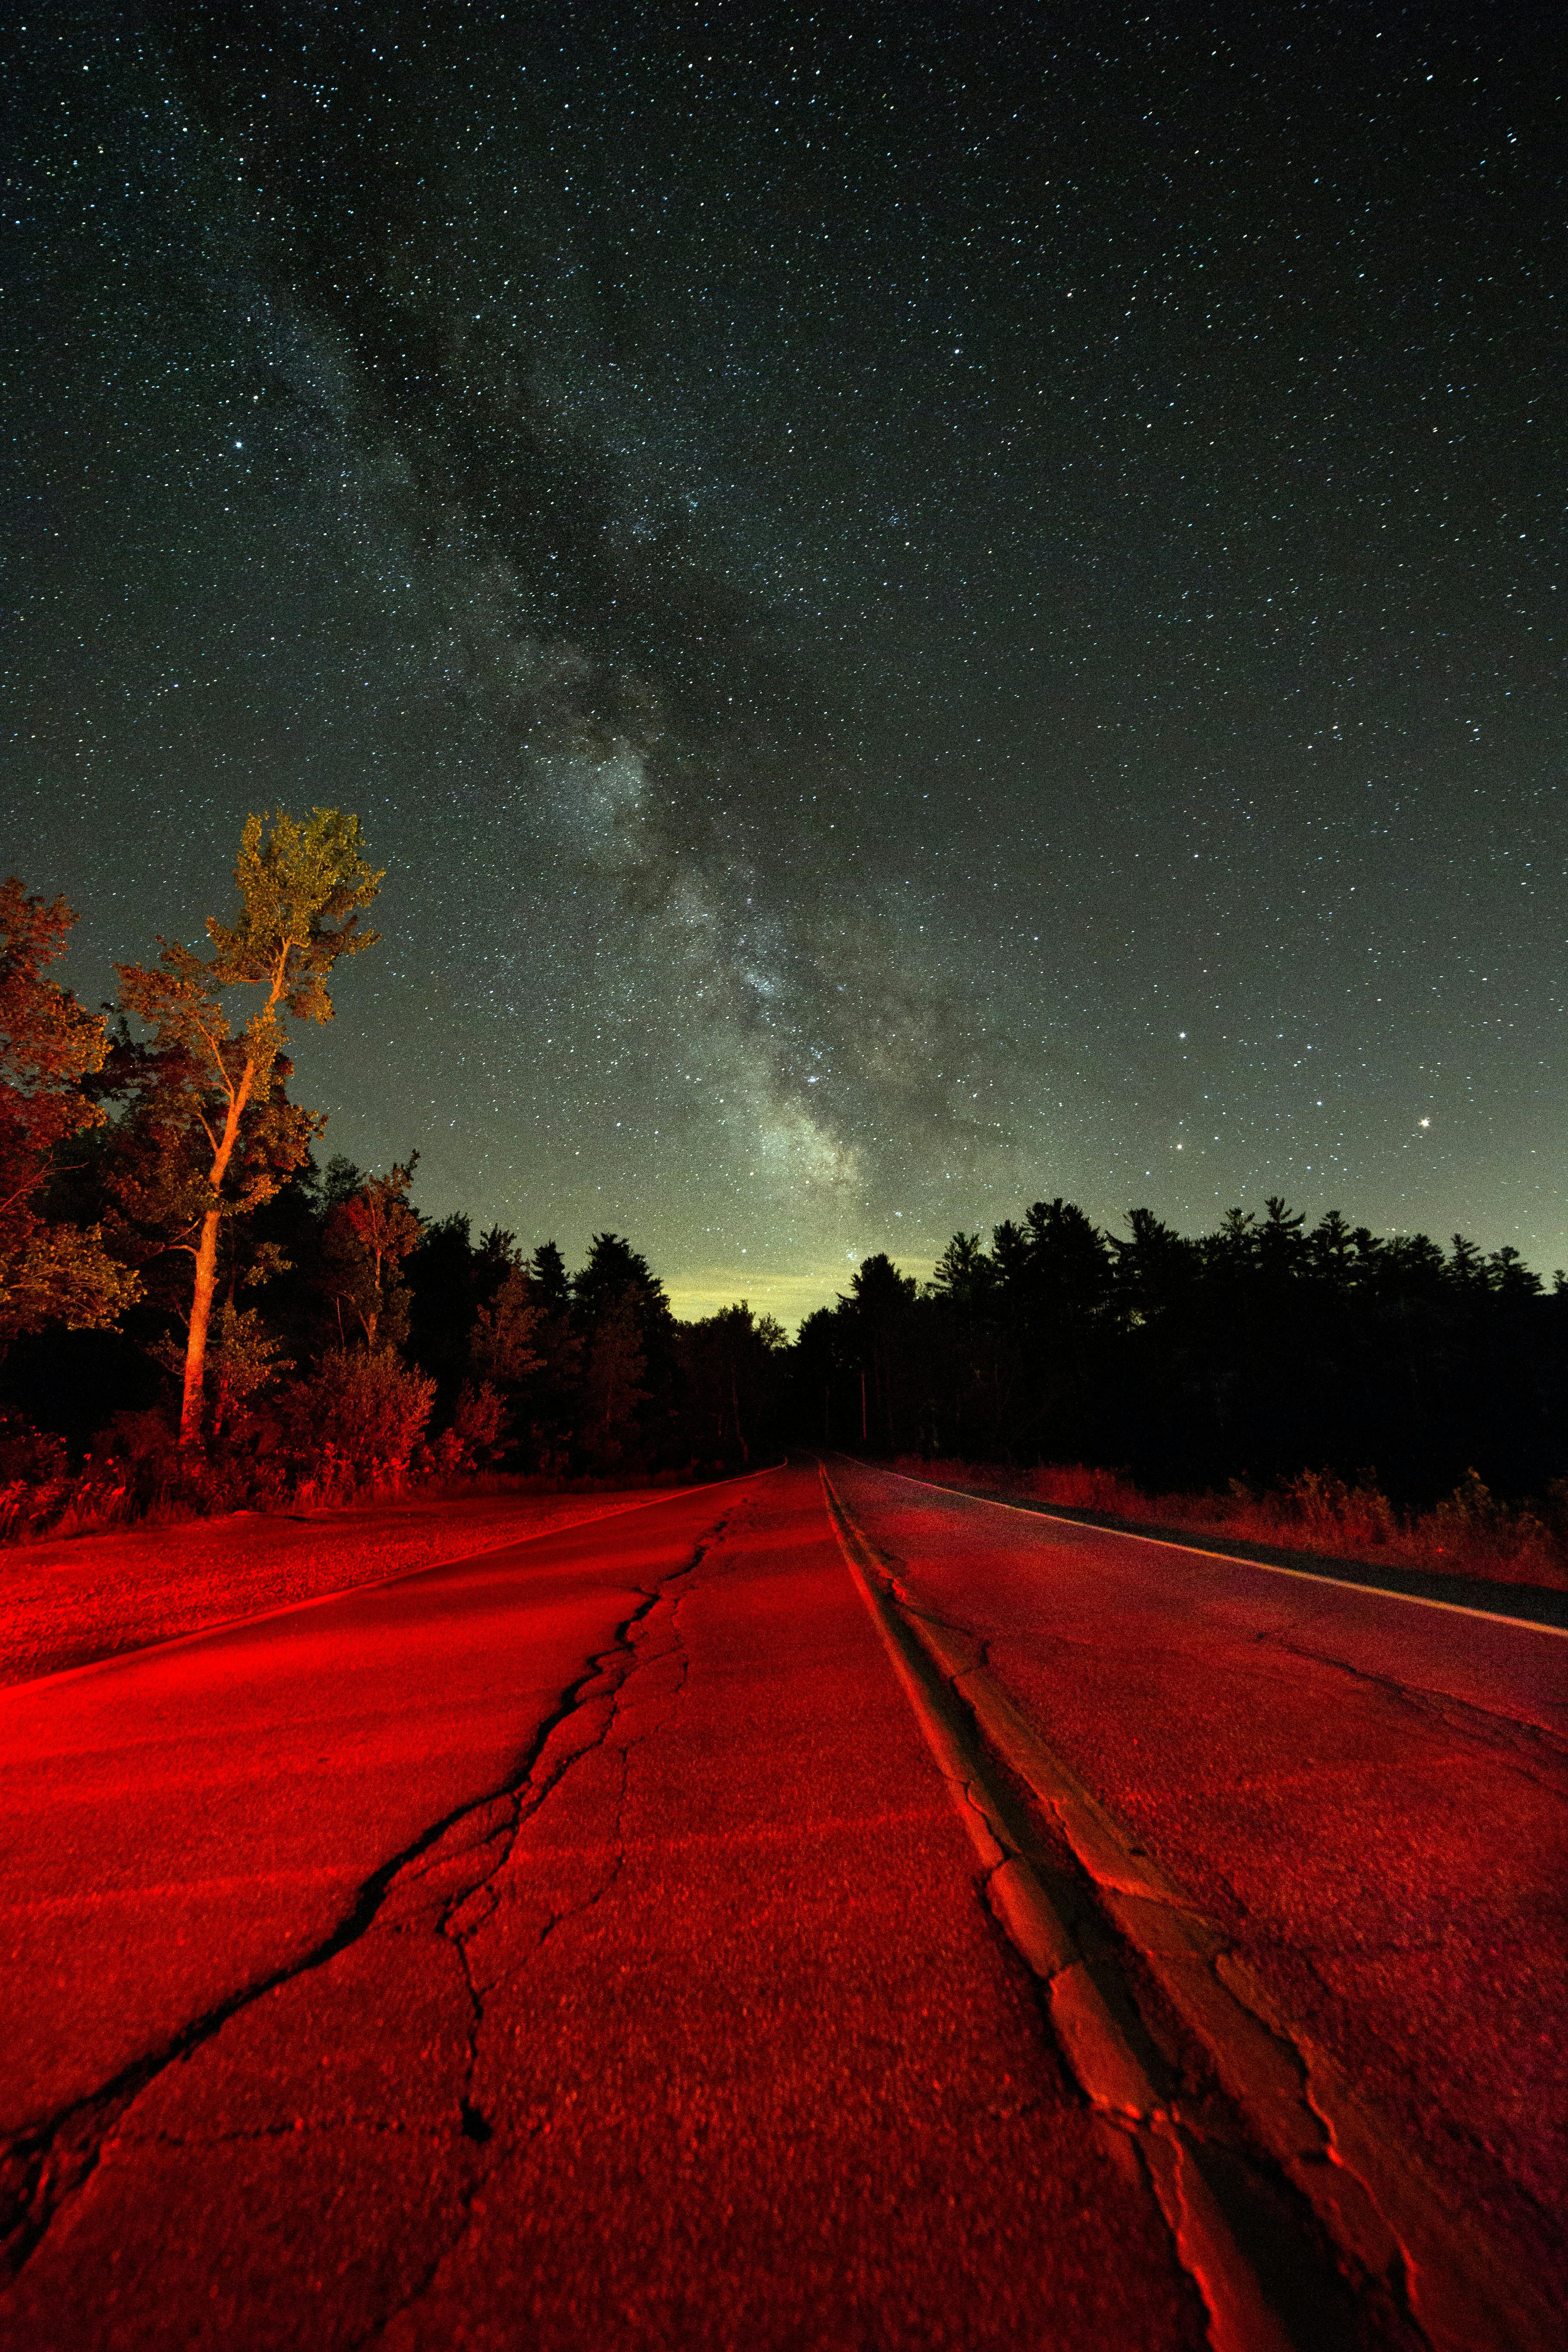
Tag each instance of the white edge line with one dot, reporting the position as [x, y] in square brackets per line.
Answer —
[373, 1584]
[1230, 1559]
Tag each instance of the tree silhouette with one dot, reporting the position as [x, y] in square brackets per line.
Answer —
[734, 1373]
[878, 1310]
[614, 1389]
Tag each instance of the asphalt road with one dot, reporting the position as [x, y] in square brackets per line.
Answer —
[578, 1945]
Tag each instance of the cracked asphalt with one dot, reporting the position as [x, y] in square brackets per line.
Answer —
[571, 1946]
[1369, 1795]
[574, 1946]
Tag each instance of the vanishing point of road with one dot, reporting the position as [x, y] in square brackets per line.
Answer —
[814, 1910]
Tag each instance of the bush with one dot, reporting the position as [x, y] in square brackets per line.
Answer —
[136, 1470]
[355, 1421]
[358, 1420]
[482, 1421]
[33, 1476]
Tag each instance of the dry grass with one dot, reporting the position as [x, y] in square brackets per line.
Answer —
[1470, 1533]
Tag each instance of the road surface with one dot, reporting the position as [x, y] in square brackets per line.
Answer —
[625, 1939]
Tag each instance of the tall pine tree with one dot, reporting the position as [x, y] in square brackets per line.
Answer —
[302, 888]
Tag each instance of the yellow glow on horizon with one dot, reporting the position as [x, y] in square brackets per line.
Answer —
[788, 1296]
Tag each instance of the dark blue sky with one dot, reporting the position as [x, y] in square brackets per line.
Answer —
[923, 616]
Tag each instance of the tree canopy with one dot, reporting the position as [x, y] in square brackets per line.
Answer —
[49, 1046]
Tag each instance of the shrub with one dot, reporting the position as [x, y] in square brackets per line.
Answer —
[481, 1420]
[34, 1477]
[475, 1437]
[356, 1420]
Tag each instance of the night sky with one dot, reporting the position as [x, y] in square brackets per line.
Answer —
[927, 608]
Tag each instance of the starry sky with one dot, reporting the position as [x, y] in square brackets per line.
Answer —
[926, 608]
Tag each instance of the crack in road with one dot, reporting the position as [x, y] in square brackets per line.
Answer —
[1533, 1752]
[1459, 1591]
[462, 1933]
[378, 2126]
[1176, 2117]
[1099, 2035]
[1383, 2227]
[1500, 1737]
[1307, 2124]
[46, 2165]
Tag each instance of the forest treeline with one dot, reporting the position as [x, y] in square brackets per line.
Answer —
[1253, 1352]
[193, 1305]
[192, 1309]
[357, 1342]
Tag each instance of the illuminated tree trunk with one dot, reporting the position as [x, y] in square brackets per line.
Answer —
[207, 1262]
[201, 1317]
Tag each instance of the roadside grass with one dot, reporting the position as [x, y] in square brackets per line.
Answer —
[1469, 1534]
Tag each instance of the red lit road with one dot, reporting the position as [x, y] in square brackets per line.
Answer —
[633, 1938]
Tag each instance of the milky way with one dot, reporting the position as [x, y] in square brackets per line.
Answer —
[923, 615]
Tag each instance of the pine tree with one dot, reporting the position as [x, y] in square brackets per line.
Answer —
[231, 1133]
